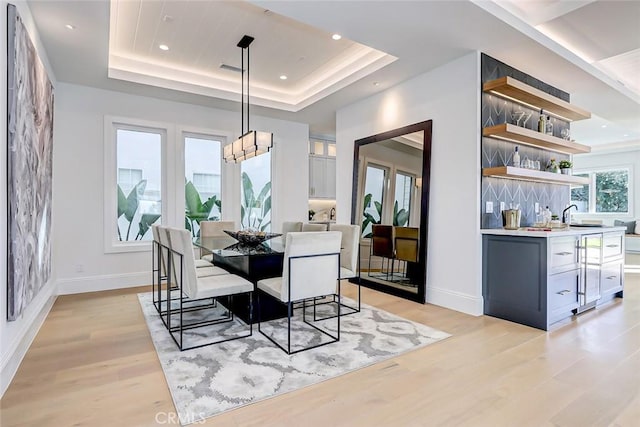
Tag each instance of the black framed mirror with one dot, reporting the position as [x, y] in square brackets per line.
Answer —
[390, 201]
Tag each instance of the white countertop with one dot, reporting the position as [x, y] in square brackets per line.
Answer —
[570, 231]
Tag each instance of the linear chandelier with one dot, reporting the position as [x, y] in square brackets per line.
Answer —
[251, 143]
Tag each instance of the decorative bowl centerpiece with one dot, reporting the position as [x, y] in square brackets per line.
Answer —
[251, 237]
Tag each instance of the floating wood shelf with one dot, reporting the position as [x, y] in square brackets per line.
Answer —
[533, 175]
[515, 90]
[529, 137]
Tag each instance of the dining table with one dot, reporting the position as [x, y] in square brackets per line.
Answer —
[254, 263]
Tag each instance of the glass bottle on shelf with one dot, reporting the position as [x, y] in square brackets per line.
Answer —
[549, 126]
[542, 122]
[516, 158]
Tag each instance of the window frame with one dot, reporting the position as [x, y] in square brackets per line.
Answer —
[229, 172]
[389, 189]
[592, 191]
[182, 133]
[111, 126]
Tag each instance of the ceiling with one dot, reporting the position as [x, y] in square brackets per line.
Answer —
[587, 48]
[182, 45]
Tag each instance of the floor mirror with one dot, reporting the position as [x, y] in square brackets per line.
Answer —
[390, 201]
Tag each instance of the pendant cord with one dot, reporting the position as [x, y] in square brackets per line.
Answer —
[242, 90]
[248, 85]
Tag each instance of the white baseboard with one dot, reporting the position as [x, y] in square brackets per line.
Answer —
[32, 320]
[105, 282]
[457, 301]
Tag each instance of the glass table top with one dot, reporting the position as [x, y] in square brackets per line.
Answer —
[228, 246]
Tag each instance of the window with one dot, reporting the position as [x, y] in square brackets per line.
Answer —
[255, 197]
[202, 168]
[134, 183]
[139, 151]
[580, 195]
[607, 192]
[207, 184]
[402, 195]
[128, 178]
[374, 186]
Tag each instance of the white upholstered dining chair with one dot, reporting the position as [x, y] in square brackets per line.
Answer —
[215, 229]
[311, 268]
[194, 288]
[314, 227]
[162, 242]
[349, 257]
[290, 227]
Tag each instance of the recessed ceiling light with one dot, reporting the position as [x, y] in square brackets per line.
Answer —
[626, 134]
[376, 83]
[336, 36]
[604, 126]
[283, 77]
[163, 47]
[70, 27]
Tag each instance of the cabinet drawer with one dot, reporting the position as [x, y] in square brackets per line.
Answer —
[612, 277]
[612, 245]
[564, 254]
[562, 289]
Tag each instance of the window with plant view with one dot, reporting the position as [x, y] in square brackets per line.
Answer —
[607, 192]
[580, 194]
[139, 182]
[402, 195]
[255, 197]
[374, 185]
[203, 184]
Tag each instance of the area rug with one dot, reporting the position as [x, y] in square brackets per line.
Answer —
[209, 380]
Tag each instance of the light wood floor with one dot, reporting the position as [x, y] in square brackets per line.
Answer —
[93, 364]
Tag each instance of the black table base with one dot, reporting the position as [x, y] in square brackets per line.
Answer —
[254, 268]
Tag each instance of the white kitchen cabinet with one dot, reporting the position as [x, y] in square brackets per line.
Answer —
[322, 177]
[322, 169]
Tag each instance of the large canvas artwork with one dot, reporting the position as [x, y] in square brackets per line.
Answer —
[29, 157]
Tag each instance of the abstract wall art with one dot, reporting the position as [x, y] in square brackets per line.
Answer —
[29, 168]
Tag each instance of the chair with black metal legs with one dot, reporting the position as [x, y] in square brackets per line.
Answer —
[308, 227]
[407, 244]
[382, 246]
[349, 263]
[203, 269]
[215, 229]
[186, 312]
[290, 227]
[311, 269]
[158, 267]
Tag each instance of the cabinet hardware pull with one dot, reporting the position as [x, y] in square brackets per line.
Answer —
[611, 277]
[564, 291]
[612, 246]
[563, 253]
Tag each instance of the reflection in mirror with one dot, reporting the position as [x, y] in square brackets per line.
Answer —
[388, 198]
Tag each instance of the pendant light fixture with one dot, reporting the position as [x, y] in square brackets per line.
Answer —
[251, 143]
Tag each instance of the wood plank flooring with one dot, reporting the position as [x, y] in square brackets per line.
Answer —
[93, 364]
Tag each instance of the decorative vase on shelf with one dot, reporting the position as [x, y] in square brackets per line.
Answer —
[552, 166]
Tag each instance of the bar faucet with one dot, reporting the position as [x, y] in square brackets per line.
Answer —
[564, 213]
[332, 214]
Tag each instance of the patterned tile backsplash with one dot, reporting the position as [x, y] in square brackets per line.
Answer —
[495, 152]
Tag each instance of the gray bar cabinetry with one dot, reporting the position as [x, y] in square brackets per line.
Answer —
[539, 278]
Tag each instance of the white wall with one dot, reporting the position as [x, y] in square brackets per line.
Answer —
[450, 96]
[78, 178]
[16, 336]
[626, 158]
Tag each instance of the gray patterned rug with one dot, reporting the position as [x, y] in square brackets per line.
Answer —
[209, 380]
